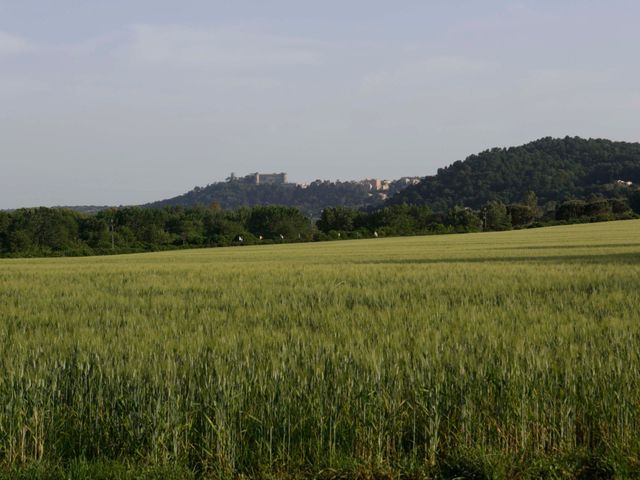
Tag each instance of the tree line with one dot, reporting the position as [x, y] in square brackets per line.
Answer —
[399, 220]
[63, 232]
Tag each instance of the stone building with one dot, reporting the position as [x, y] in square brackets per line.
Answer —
[266, 178]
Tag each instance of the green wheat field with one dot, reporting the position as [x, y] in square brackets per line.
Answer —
[491, 355]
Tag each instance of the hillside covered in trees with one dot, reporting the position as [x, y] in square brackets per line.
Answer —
[555, 169]
[310, 199]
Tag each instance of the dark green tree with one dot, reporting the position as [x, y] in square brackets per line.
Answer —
[496, 217]
[464, 220]
[339, 219]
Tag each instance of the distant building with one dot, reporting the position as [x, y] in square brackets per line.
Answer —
[370, 183]
[624, 183]
[408, 180]
[375, 184]
[266, 178]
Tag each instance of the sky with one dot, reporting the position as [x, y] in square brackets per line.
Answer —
[129, 101]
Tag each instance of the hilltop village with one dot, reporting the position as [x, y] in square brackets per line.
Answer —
[379, 188]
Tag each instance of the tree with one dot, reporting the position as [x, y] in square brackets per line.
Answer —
[521, 214]
[597, 207]
[634, 201]
[571, 209]
[275, 221]
[340, 219]
[94, 231]
[496, 216]
[463, 220]
[5, 222]
[531, 201]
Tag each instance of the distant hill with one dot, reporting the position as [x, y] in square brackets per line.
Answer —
[555, 169]
[311, 199]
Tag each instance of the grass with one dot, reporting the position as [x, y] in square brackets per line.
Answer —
[494, 355]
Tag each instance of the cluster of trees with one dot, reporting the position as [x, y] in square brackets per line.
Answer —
[556, 169]
[493, 216]
[53, 231]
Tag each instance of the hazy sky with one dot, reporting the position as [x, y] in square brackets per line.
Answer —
[129, 101]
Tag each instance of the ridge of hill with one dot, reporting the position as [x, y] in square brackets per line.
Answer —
[310, 198]
[556, 169]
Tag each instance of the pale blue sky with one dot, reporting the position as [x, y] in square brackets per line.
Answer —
[124, 102]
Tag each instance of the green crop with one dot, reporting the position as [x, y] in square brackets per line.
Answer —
[499, 355]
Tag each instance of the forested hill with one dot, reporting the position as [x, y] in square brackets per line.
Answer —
[311, 199]
[555, 169]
